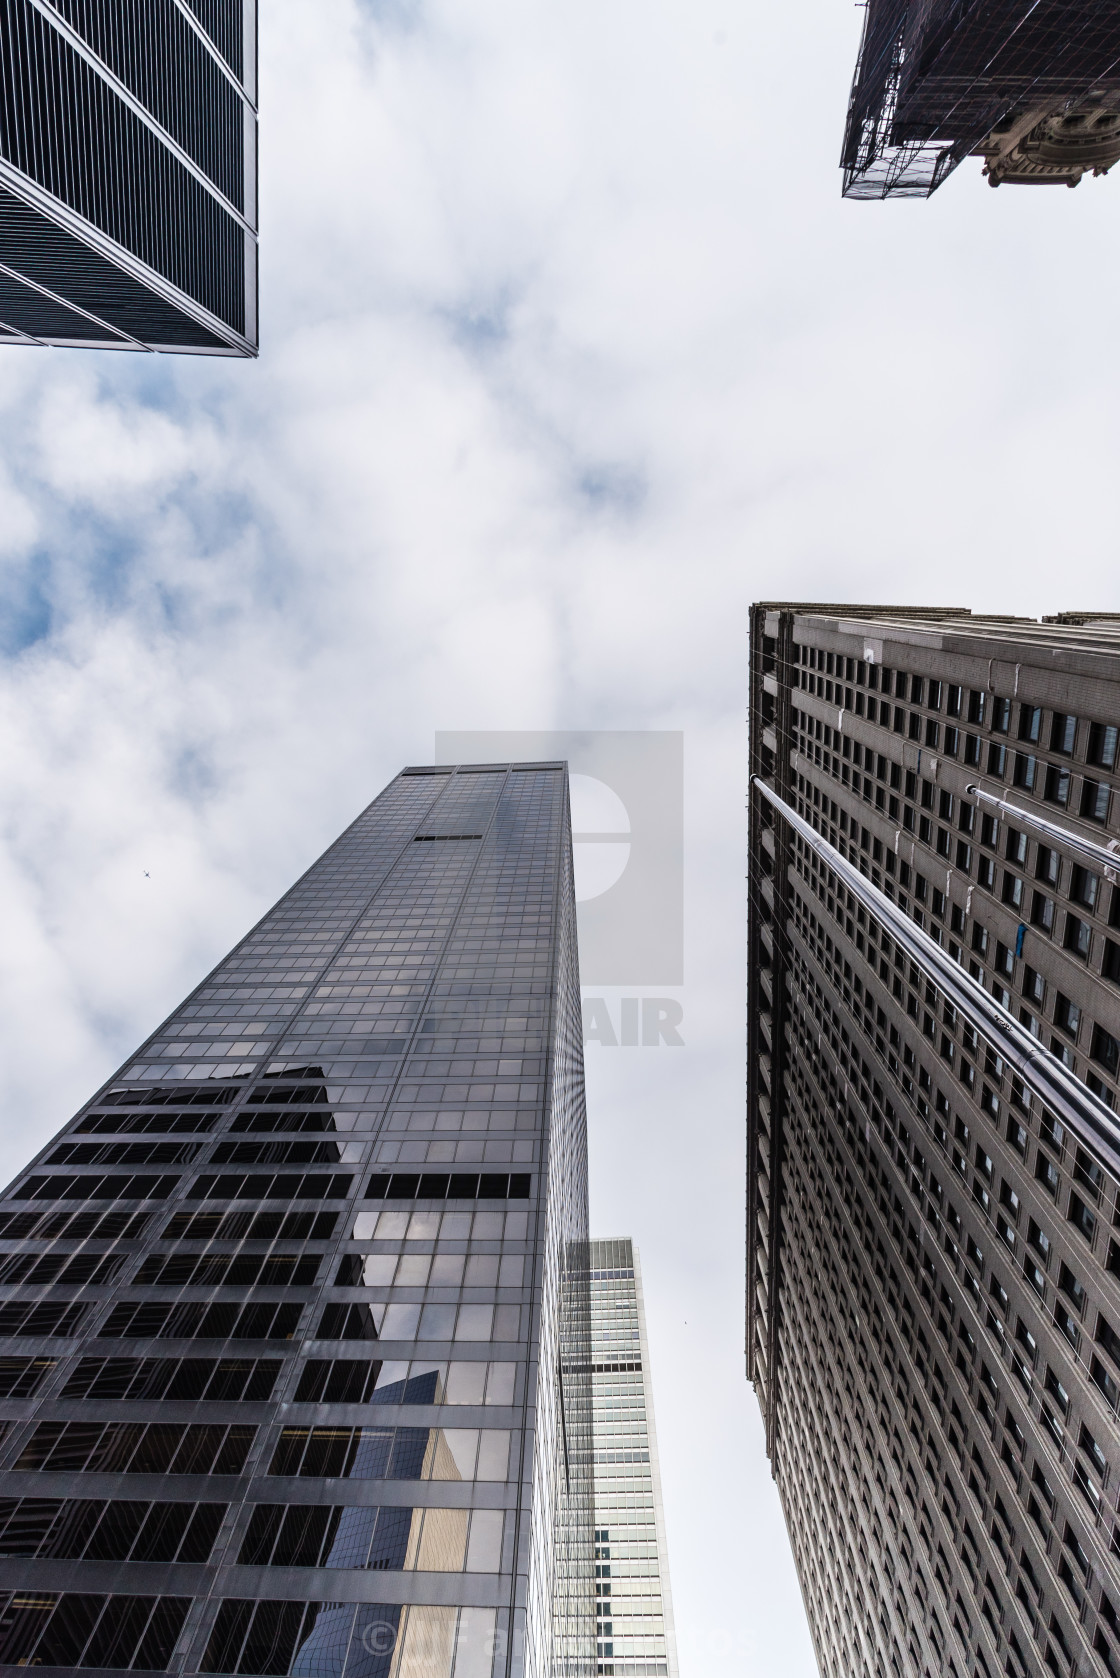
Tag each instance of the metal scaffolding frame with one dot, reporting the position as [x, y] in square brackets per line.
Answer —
[934, 78]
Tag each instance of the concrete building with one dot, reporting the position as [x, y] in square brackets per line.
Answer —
[933, 1284]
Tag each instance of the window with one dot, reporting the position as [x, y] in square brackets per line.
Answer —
[1063, 732]
[1057, 785]
[1105, 1050]
[1084, 887]
[1033, 984]
[952, 701]
[1048, 865]
[1042, 912]
[1047, 1173]
[1001, 715]
[1078, 937]
[1030, 723]
[986, 873]
[1071, 1287]
[1094, 801]
[1026, 770]
[1012, 889]
[933, 733]
[1081, 1218]
[1110, 967]
[997, 758]
[133, 1448]
[1102, 745]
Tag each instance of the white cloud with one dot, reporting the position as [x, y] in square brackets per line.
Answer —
[570, 350]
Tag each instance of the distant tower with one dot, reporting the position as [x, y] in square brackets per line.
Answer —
[1032, 86]
[635, 1611]
[128, 174]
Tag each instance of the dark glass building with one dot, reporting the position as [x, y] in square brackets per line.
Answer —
[295, 1312]
[934, 1154]
[1032, 86]
[128, 174]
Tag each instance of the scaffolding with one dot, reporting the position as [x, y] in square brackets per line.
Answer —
[1032, 85]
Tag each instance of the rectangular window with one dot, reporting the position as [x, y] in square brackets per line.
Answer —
[953, 701]
[976, 706]
[136, 1448]
[1067, 1016]
[106, 1530]
[1056, 790]
[1084, 887]
[145, 1320]
[1001, 715]
[130, 1633]
[1063, 732]
[997, 759]
[952, 737]
[1102, 745]
[1078, 937]
[1012, 890]
[1105, 1050]
[189, 1380]
[1042, 912]
[1030, 723]
[1094, 800]
[1110, 967]
[1048, 865]
[392, 1453]
[933, 733]
[1026, 769]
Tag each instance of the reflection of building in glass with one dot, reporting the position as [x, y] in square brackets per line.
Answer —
[1032, 86]
[933, 1293]
[633, 1605]
[128, 175]
[295, 1311]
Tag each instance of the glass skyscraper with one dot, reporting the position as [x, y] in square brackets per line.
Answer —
[296, 1309]
[633, 1606]
[128, 174]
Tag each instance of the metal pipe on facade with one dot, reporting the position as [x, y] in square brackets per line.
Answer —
[1106, 857]
[1087, 1116]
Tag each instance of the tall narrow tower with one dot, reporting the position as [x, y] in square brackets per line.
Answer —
[934, 1153]
[128, 174]
[634, 1608]
[296, 1346]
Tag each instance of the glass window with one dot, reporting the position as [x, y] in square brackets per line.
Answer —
[1102, 745]
[1063, 732]
[1030, 722]
[1094, 801]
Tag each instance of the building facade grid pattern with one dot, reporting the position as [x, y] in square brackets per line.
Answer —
[933, 1294]
[292, 1309]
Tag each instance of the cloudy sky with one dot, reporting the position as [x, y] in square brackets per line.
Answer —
[570, 350]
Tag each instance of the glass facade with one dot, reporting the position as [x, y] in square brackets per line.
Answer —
[295, 1316]
[933, 1324]
[634, 1611]
[128, 174]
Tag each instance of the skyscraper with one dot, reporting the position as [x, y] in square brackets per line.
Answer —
[295, 1370]
[933, 1283]
[128, 174]
[633, 1604]
[1032, 86]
